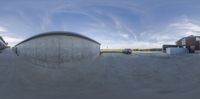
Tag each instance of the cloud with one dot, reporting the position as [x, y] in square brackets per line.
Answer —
[124, 35]
[12, 40]
[186, 26]
[2, 29]
[132, 44]
[124, 26]
[113, 23]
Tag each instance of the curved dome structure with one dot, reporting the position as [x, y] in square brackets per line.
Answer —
[58, 47]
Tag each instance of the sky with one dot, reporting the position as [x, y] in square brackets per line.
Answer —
[113, 23]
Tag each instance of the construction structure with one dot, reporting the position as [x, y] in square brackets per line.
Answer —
[3, 44]
[58, 47]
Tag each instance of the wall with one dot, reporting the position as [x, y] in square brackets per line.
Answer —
[164, 47]
[2, 45]
[189, 41]
[176, 51]
[58, 49]
[179, 42]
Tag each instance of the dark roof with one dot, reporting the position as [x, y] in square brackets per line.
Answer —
[58, 33]
[188, 37]
[1, 38]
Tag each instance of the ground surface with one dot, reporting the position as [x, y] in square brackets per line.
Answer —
[110, 76]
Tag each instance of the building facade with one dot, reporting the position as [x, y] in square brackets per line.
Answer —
[2, 43]
[58, 47]
[164, 47]
[192, 42]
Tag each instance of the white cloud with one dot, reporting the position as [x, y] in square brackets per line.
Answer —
[122, 28]
[186, 26]
[2, 29]
[12, 40]
[132, 44]
[190, 33]
[125, 35]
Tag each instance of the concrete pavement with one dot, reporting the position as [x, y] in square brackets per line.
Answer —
[109, 76]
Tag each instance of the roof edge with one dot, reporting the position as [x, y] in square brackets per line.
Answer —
[58, 33]
[187, 37]
[2, 39]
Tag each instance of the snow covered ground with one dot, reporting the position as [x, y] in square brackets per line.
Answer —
[110, 76]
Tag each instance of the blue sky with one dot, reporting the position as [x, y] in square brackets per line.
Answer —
[113, 23]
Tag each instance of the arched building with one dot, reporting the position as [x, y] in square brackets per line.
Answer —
[58, 47]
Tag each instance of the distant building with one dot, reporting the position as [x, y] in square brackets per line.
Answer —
[191, 42]
[164, 47]
[3, 44]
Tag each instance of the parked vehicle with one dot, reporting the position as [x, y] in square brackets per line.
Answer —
[127, 51]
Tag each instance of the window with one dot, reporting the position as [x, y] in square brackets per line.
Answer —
[197, 38]
[184, 42]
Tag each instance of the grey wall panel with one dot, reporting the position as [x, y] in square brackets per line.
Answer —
[56, 49]
[2, 44]
[65, 53]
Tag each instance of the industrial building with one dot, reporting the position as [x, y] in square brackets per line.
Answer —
[3, 44]
[164, 47]
[58, 47]
[190, 42]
